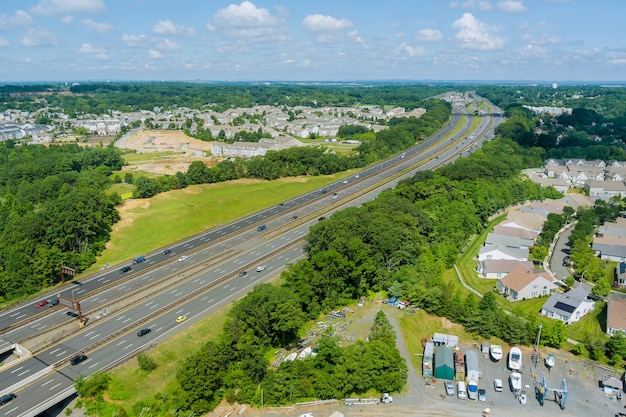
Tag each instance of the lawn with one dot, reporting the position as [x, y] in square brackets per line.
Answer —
[149, 224]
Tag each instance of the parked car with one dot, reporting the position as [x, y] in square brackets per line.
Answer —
[180, 319]
[143, 332]
[125, 269]
[6, 398]
[482, 395]
[78, 359]
[182, 258]
[42, 303]
[449, 387]
[497, 385]
[260, 268]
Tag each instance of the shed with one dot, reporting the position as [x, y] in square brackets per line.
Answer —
[611, 385]
[444, 363]
[459, 361]
[427, 360]
[472, 372]
[445, 339]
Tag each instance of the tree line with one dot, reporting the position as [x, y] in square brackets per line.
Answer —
[53, 211]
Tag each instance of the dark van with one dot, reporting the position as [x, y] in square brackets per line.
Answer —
[139, 259]
[261, 227]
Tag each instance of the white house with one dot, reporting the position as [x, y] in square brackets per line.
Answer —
[522, 283]
[568, 307]
[502, 253]
[616, 316]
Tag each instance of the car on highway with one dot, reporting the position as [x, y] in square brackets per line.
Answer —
[294, 217]
[78, 359]
[72, 314]
[6, 398]
[322, 218]
[281, 205]
[53, 302]
[42, 303]
[335, 195]
[143, 332]
[357, 176]
[125, 269]
[180, 319]
[182, 258]
[324, 191]
[344, 181]
[166, 252]
[260, 268]
[243, 273]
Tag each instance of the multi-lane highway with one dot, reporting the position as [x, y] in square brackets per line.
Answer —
[207, 280]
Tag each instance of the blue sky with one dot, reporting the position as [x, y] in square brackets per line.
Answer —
[319, 40]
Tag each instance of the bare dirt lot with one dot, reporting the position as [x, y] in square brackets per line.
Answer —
[184, 150]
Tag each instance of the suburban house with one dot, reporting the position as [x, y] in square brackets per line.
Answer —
[498, 252]
[616, 316]
[514, 231]
[526, 221]
[568, 307]
[612, 248]
[500, 268]
[617, 228]
[522, 283]
[620, 275]
[605, 189]
[508, 241]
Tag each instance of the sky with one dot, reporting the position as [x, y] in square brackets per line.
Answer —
[312, 40]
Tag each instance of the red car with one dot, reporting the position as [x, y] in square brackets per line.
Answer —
[42, 303]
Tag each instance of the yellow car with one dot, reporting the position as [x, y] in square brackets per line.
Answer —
[180, 319]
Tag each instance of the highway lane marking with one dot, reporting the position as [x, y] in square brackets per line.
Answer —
[128, 346]
[54, 350]
[95, 335]
[11, 410]
[227, 285]
[203, 281]
[94, 299]
[127, 320]
[173, 291]
[62, 353]
[195, 280]
[233, 289]
[95, 364]
[120, 318]
[20, 316]
[47, 382]
[103, 300]
[91, 332]
[15, 370]
[148, 303]
[121, 343]
[211, 300]
[280, 257]
[178, 293]
[160, 328]
[25, 372]
[51, 388]
[204, 298]
[154, 306]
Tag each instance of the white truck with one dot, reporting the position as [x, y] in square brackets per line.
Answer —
[386, 398]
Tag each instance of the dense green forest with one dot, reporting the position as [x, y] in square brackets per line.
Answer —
[53, 212]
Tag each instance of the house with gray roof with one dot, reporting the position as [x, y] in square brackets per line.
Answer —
[568, 307]
[620, 275]
[514, 231]
[494, 239]
[502, 252]
[499, 268]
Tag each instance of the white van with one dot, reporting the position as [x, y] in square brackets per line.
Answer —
[460, 390]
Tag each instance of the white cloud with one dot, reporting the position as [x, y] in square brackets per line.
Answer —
[134, 40]
[87, 48]
[249, 22]
[411, 50]
[428, 35]
[97, 27]
[20, 18]
[4, 42]
[57, 7]
[471, 4]
[511, 6]
[168, 45]
[38, 37]
[321, 23]
[152, 53]
[542, 39]
[166, 27]
[473, 34]
[67, 19]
